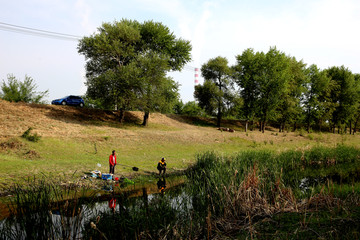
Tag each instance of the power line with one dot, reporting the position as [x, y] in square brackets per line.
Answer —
[37, 32]
[189, 68]
[50, 34]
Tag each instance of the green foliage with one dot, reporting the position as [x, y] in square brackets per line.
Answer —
[205, 95]
[316, 98]
[127, 62]
[31, 137]
[21, 91]
[256, 193]
[178, 106]
[215, 95]
[245, 72]
[278, 88]
[211, 172]
[32, 205]
[264, 80]
[344, 95]
[191, 108]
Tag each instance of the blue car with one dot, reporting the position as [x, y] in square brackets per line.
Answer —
[69, 100]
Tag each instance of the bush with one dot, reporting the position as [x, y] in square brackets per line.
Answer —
[32, 138]
[18, 91]
[192, 109]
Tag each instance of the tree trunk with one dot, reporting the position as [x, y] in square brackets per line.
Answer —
[260, 126]
[295, 127]
[246, 125]
[122, 115]
[308, 126]
[218, 124]
[146, 119]
[355, 124]
[350, 128]
[354, 131]
[263, 127]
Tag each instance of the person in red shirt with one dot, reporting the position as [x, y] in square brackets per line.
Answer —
[112, 162]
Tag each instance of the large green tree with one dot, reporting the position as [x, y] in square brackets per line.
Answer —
[290, 110]
[263, 79]
[344, 97]
[356, 117]
[127, 62]
[215, 92]
[245, 73]
[316, 100]
[154, 90]
[21, 91]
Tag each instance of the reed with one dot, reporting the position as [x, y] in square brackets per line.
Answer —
[256, 194]
[243, 190]
[43, 209]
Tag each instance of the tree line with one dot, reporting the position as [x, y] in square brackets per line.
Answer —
[127, 64]
[274, 88]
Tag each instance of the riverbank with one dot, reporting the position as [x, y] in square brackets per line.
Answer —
[255, 194]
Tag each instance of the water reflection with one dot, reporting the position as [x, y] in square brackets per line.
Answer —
[126, 204]
[161, 185]
[112, 204]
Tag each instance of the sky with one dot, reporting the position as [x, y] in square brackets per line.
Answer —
[321, 32]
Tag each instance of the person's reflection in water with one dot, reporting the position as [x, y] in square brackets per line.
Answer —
[112, 204]
[161, 185]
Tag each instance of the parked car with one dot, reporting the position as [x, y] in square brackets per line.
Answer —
[69, 100]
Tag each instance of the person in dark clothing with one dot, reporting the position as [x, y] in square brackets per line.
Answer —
[162, 166]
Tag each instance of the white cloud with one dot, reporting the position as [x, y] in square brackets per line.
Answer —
[324, 32]
[199, 35]
[84, 12]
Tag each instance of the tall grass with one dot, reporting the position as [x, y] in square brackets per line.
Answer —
[253, 195]
[43, 209]
[254, 185]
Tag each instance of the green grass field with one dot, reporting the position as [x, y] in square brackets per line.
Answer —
[67, 155]
[75, 140]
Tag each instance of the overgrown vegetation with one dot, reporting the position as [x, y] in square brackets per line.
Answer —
[254, 195]
[31, 137]
[21, 91]
[43, 209]
[241, 195]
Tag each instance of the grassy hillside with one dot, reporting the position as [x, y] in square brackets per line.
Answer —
[75, 140]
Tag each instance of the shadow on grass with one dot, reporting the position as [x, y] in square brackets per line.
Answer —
[208, 121]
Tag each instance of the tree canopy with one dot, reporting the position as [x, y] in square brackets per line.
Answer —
[212, 95]
[275, 88]
[263, 79]
[127, 62]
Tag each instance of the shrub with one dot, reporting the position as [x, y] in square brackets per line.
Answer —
[18, 91]
[32, 138]
[192, 109]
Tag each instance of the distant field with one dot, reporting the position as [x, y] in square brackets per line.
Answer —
[75, 140]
